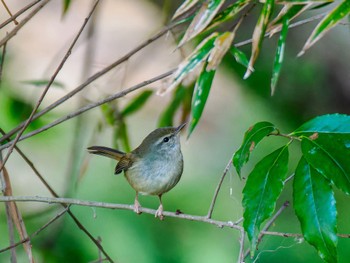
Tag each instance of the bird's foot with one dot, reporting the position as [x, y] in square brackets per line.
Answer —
[137, 207]
[159, 212]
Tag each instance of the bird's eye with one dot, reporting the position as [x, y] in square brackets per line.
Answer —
[166, 139]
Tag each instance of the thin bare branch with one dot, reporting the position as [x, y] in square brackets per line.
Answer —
[28, 121]
[23, 22]
[91, 106]
[70, 201]
[9, 12]
[2, 62]
[241, 247]
[17, 14]
[37, 231]
[211, 208]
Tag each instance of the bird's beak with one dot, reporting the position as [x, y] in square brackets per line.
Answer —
[178, 129]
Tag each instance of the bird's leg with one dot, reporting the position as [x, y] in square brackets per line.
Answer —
[137, 205]
[159, 212]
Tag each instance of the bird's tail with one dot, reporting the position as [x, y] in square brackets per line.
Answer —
[107, 152]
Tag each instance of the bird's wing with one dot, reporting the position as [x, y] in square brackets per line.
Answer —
[124, 163]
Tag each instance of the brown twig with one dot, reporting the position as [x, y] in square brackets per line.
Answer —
[22, 23]
[211, 208]
[69, 51]
[53, 193]
[2, 62]
[241, 247]
[9, 12]
[17, 14]
[90, 106]
[37, 231]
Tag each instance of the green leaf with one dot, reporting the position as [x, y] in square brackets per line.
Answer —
[259, 33]
[228, 13]
[202, 19]
[279, 55]
[314, 205]
[331, 20]
[299, 2]
[194, 60]
[186, 5]
[251, 139]
[239, 56]
[66, 5]
[200, 95]
[222, 44]
[167, 116]
[329, 154]
[43, 82]
[137, 103]
[261, 192]
[329, 124]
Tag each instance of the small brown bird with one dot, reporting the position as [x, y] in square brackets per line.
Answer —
[154, 167]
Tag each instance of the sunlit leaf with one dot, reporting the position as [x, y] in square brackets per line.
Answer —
[239, 56]
[43, 83]
[228, 13]
[202, 19]
[263, 187]
[221, 44]
[200, 95]
[251, 139]
[259, 32]
[314, 204]
[167, 117]
[289, 12]
[186, 5]
[331, 20]
[195, 59]
[279, 55]
[137, 103]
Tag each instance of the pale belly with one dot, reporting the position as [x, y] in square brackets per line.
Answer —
[157, 178]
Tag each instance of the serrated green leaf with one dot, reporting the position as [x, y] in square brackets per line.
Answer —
[167, 117]
[329, 124]
[329, 154]
[251, 139]
[314, 205]
[194, 60]
[202, 19]
[279, 55]
[261, 192]
[137, 103]
[200, 95]
[331, 20]
[43, 82]
[239, 56]
[185, 6]
[228, 13]
[259, 33]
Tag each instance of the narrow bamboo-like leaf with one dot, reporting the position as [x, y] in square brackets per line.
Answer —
[289, 12]
[43, 82]
[259, 32]
[195, 59]
[228, 13]
[109, 111]
[299, 2]
[167, 117]
[314, 205]
[331, 20]
[66, 5]
[261, 192]
[221, 44]
[329, 154]
[200, 95]
[328, 124]
[186, 5]
[137, 103]
[279, 55]
[251, 139]
[202, 19]
[239, 56]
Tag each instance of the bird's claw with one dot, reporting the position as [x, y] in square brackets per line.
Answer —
[159, 213]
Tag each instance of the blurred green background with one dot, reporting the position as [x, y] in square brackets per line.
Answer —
[314, 84]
